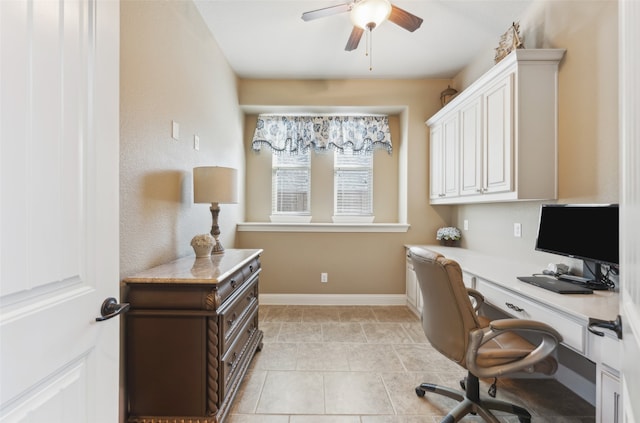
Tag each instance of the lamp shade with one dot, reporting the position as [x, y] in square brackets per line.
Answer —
[368, 12]
[214, 184]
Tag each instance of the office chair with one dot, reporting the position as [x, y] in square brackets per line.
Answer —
[486, 349]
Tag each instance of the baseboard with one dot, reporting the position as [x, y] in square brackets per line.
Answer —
[333, 299]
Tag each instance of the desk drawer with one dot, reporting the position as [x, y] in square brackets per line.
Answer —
[573, 333]
[238, 352]
[234, 314]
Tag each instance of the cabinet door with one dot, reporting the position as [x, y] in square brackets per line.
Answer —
[412, 289]
[436, 164]
[450, 159]
[471, 147]
[498, 140]
[610, 407]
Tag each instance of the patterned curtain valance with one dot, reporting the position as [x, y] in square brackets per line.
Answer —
[286, 134]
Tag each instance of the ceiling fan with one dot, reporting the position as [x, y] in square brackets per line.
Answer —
[367, 14]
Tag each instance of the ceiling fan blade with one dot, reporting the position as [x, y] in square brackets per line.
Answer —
[406, 20]
[354, 38]
[326, 11]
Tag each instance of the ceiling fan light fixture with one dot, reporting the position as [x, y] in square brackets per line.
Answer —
[368, 14]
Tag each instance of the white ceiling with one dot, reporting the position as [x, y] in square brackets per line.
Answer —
[268, 38]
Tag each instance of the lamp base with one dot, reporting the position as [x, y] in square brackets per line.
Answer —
[217, 248]
[215, 229]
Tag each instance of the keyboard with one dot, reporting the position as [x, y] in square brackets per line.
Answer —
[555, 285]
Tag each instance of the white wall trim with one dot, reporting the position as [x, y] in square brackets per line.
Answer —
[333, 299]
[321, 227]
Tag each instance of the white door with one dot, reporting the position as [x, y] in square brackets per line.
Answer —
[629, 65]
[59, 84]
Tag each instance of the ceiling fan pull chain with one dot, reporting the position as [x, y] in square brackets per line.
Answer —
[370, 45]
[371, 53]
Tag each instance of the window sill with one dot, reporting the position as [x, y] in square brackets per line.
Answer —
[321, 227]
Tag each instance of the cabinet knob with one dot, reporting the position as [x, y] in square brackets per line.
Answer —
[233, 362]
[233, 283]
[232, 319]
[251, 268]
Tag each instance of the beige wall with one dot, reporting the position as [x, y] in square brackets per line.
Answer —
[172, 69]
[587, 123]
[357, 263]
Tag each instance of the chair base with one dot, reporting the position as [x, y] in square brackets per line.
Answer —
[470, 402]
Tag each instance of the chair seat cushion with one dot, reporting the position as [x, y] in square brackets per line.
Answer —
[509, 347]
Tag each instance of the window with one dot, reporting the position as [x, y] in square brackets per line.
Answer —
[291, 184]
[353, 183]
[294, 141]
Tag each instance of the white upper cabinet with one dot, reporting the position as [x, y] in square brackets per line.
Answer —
[497, 140]
[444, 159]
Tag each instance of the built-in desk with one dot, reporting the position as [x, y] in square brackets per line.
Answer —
[496, 278]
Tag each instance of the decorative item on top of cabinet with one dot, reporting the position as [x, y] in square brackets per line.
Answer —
[509, 41]
[497, 139]
[447, 95]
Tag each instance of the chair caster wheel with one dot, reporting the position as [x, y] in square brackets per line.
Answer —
[420, 392]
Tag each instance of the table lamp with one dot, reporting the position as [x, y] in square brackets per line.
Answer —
[215, 185]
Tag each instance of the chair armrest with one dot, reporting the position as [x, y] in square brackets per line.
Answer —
[525, 325]
[477, 296]
[550, 338]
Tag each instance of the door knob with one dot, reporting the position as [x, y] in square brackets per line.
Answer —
[110, 308]
[614, 325]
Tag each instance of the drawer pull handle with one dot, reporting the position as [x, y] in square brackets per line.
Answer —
[232, 319]
[233, 283]
[251, 268]
[514, 307]
[232, 362]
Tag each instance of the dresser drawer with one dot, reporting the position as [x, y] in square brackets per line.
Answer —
[236, 354]
[234, 315]
[572, 331]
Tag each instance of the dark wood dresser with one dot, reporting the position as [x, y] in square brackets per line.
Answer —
[191, 333]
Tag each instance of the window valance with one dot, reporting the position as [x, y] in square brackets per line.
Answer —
[292, 134]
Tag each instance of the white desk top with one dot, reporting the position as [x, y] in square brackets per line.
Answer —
[504, 272]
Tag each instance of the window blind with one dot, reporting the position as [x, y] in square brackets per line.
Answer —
[353, 184]
[291, 180]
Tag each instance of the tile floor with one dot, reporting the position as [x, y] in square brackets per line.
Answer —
[361, 364]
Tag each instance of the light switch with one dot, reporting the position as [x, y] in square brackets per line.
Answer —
[465, 224]
[196, 142]
[175, 130]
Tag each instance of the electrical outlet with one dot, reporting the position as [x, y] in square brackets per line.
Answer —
[517, 230]
[196, 142]
[324, 277]
[465, 225]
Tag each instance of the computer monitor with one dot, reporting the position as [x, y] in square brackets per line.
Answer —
[584, 231]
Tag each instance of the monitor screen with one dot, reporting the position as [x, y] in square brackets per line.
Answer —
[583, 231]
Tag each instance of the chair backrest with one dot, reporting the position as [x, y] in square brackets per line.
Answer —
[447, 313]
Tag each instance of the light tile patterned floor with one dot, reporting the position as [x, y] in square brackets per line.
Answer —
[361, 364]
